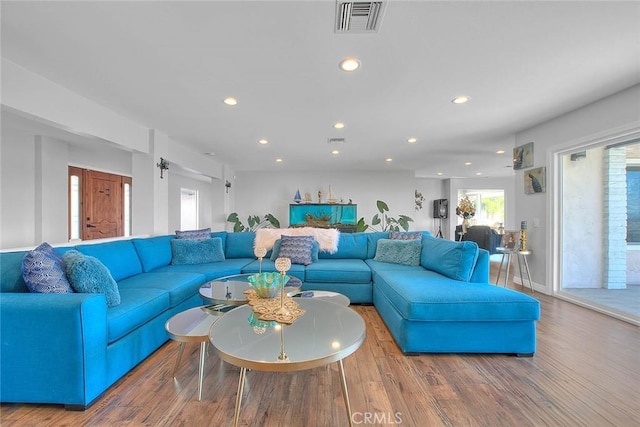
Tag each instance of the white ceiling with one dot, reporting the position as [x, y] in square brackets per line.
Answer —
[168, 65]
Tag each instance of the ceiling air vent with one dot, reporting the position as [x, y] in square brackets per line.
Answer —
[359, 16]
[336, 140]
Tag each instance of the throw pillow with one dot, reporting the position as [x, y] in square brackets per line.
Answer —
[275, 253]
[187, 251]
[406, 252]
[405, 235]
[88, 275]
[453, 259]
[297, 249]
[43, 271]
[204, 233]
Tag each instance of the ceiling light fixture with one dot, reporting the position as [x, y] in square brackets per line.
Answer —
[500, 152]
[460, 99]
[349, 64]
[339, 125]
[279, 160]
[334, 152]
[467, 163]
[230, 100]
[412, 140]
[439, 173]
[388, 159]
[263, 141]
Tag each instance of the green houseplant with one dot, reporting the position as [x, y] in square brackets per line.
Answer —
[384, 221]
[254, 222]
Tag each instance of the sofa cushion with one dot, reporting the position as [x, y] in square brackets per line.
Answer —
[192, 251]
[453, 259]
[211, 270]
[296, 248]
[43, 271]
[180, 285]
[429, 296]
[372, 242]
[240, 245]
[88, 275]
[350, 246]
[204, 233]
[315, 249]
[399, 251]
[296, 270]
[338, 271]
[119, 256]
[137, 307]
[154, 252]
[405, 235]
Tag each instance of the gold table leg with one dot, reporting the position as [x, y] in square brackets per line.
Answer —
[236, 415]
[180, 351]
[345, 392]
[203, 352]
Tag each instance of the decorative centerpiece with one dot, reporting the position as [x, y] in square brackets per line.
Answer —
[466, 210]
[267, 284]
[260, 253]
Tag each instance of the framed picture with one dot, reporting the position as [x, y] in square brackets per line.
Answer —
[523, 156]
[535, 180]
[511, 240]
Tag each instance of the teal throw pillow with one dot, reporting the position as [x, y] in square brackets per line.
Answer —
[88, 275]
[452, 259]
[297, 249]
[187, 251]
[43, 271]
[399, 251]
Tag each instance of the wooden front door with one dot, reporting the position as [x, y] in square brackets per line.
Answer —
[102, 205]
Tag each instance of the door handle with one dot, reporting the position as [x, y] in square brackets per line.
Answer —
[91, 226]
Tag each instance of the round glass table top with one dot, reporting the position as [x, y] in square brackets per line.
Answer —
[226, 290]
[193, 324]
[326, 333]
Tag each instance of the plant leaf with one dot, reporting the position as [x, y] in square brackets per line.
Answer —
[382, 206]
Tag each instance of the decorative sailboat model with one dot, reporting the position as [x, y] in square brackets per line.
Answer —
[297, 197]
[331, 198]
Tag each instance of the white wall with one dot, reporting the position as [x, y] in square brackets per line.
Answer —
[257, 193]
[603, 119]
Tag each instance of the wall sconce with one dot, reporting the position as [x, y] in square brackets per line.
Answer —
[227, 184]
[163, 165]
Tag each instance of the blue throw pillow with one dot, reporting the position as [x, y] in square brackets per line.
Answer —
[88, 275]
[275, 252]
[187, 251]
[204, 233]
[297, 249]
[399, 251]
[452, 259]
[43, 271]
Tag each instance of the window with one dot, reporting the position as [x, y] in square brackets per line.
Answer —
[489, 206]
[188, 209]
[633, 204]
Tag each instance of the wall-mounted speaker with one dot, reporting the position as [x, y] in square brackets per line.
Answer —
[440, 208]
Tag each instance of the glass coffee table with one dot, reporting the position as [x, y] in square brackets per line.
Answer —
[229, 290]
[326, 333]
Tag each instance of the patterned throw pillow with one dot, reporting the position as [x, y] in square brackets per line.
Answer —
[275, 252]
[406, 252]
[297, 249]
[407, 235]
[43, 271]
[204, 233]
[88, 275]
[187, 251]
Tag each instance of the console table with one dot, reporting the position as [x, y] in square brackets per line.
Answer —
[344, 217]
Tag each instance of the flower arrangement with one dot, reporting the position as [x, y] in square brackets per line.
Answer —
[465, 209]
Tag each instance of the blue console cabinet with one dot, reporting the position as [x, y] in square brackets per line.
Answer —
[324, 215]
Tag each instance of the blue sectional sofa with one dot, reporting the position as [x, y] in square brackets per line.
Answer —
[69, 348]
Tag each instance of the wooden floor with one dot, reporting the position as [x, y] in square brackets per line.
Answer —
[586, 372]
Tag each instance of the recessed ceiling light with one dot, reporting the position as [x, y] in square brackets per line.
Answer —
[230, 100]
[338, 125]
[388, 159]
[500, 152]
[263, 141]
[467, 163]
[460, 99]
[335, 152]
[412, 140]
[349, 64]
[279, 160]
[478, 173]
[439, 173]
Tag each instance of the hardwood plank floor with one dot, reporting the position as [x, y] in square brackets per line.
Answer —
[586, 372]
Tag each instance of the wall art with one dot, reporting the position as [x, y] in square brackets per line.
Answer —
[523, 156]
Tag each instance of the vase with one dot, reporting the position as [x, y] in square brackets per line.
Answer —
[465, 225]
